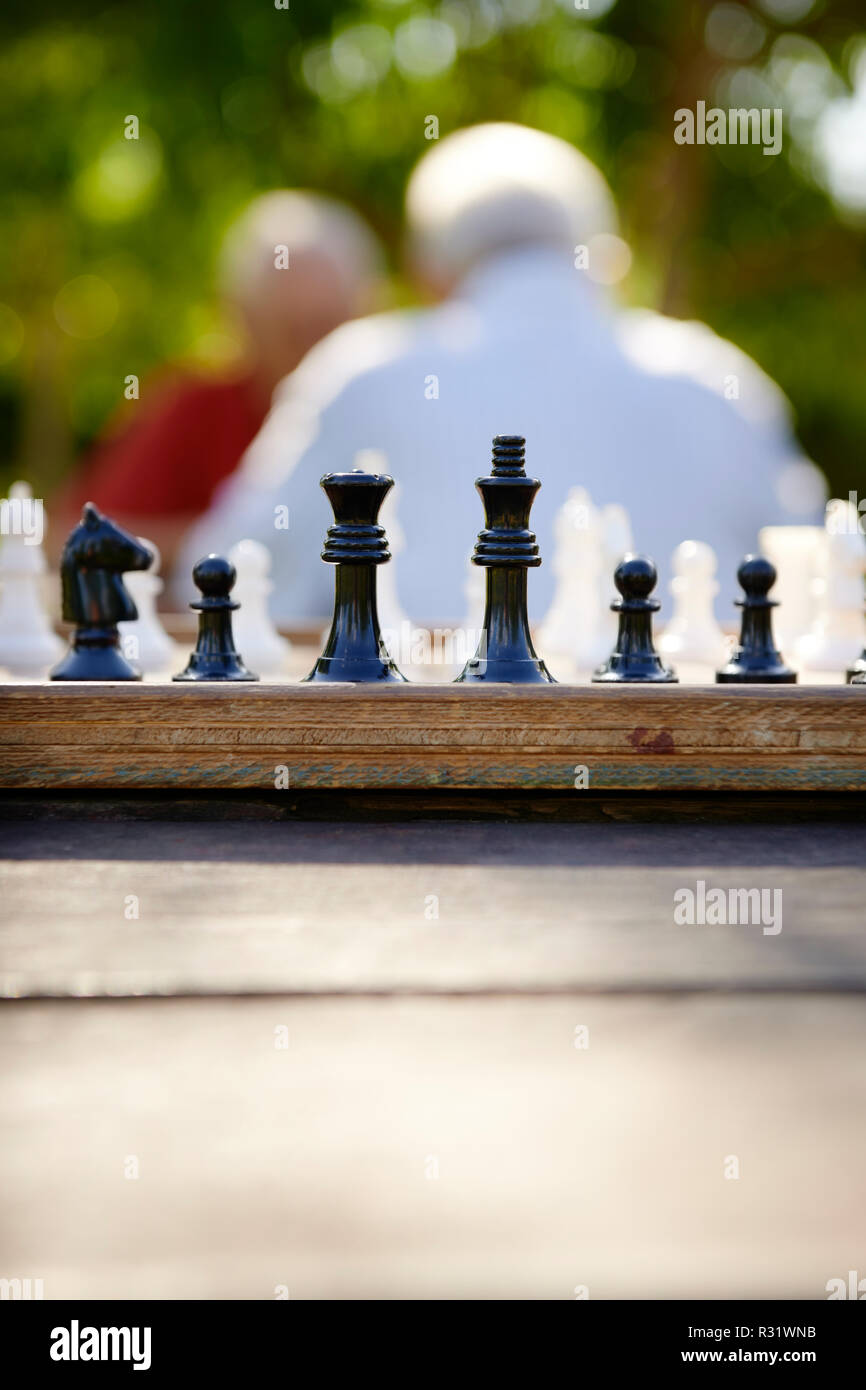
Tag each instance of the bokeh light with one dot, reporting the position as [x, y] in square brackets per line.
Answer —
[733, 32]
[122, 179]
[86, 307]
[424, 47]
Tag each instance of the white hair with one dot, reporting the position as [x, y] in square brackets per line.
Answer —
[307, 224]
[492, 186]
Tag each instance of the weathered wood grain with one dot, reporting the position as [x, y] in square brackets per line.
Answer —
[425, 907]
[164, 735]
[425, 1148]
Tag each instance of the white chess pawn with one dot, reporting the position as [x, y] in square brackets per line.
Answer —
[263, 648]
[693, 635]
[28, 643]
[144, 641]
[835, 638]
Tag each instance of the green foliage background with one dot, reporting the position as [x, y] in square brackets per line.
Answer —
[240, 96]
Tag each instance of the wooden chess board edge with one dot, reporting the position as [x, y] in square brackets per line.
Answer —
[152, 736]
[56, 773]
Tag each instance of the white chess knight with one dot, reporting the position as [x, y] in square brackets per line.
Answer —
[693, 635]
[835, 638]
[28, 643]
[144, 641]
[263, 648]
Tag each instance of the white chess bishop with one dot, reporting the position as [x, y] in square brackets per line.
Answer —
[28, 643]
[693, 635]
[144, 641]
[835, 638]
[263, 648]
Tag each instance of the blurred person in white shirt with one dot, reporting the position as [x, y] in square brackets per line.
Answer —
[515, 231]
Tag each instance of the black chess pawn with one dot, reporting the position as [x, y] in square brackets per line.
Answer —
[215, 657]
[634, 658]
[506, 548]
[95, 558]
[755, 660]
[356, 544]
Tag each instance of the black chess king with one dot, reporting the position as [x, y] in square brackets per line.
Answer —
[356, 544]
[507, 549]
[95, 558]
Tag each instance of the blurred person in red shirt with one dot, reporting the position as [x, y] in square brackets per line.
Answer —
[293, 267]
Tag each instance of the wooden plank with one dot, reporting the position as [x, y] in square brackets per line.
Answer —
[426, 1148]
[115, 908]
[702, 738]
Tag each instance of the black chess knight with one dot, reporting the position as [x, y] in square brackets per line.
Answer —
[506, 548]
[215, 657]
[755, 660]
[95, 558]
[355, 544]
[634, 658]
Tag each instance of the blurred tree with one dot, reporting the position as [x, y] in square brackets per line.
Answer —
[108, 241]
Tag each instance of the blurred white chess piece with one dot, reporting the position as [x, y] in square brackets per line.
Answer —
[793, 551]
[475, 597]
[693, 635]
[835, 638]
[144, 641]
[263, 649]
[617, 541]
[28, 643]
[391, 615]
[574, 630]
[575, 560]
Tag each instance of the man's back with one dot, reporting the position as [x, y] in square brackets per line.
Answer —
[526, 348]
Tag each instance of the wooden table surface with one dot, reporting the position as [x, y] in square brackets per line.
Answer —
[344, 1050]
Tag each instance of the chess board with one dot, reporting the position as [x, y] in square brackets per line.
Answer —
[272, 736]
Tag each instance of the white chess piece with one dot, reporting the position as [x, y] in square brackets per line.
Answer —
[475, 598]
[557, 635]
[393, 622]
[793, 551]
[574, 630]
[693, 635]
[835, 638]
[616, 541]
[144, 641]
[28, 643]
[263, 649]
